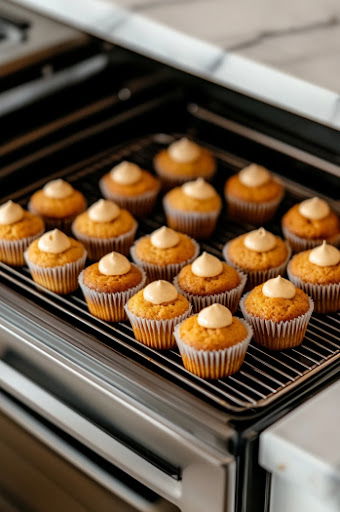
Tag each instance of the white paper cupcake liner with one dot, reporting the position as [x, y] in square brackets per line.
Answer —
[229, 298]
[303, 244]
[254, 213]
[156, 334]
[98, 247]
[109, 306]
[62, 279]
[64, 224]
[170, 181]
[12, 251]
[195, 224]
[258, 276]
[213, 364]
[166, 272]
[278, 335]
[326, 297]
[140, 206]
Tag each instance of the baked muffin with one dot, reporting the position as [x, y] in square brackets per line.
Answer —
[108, 285]
[55, 261]
[105, 227]
[308, 223]
[213, 343]
[131, 188]
[163, 253]
[317, 272]
[278, 312]
[193, 208]
[253, 194]
[182, 161]
[208, 281]
[259, 254]
[154, 312]
[58, 203]
[18, 229]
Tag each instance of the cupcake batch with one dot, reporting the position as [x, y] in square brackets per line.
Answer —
[172, 293]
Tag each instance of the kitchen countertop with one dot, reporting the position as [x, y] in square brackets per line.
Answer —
[286, 53]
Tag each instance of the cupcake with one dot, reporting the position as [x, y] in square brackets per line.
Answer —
[182, 161]
[259, 254]
[307, 224]
[155, 311]
[109, 284]
[55, 261]
[208, 281]
[105, 227]
[253, 195]
[18, 229]
[278, 312]
[317, 272]
[163, 253]
[213, 343]
[193, 208]
[58, 203]
[131, 188]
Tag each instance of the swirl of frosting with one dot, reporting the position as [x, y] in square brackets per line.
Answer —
[206, 265]
[160, 292]
[278, 288]
[126, 173]
[10, 213]
[54, 241]
[58, 189]
[324, 255]
[260, 240]
[215, 316]
[114, 264]
[254, 175]
[198, 189]
[164, 238]
[184, 150]
[314, 208]
[103, 211]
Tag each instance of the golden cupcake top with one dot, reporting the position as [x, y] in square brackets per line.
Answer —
[206, 265]
[103, 211]
[199, 189]
[164, 238]
[54, 242]
[184, 150]
[314, 208]
[260, 240]
[160, 292]
[126, 173]
[10, 213]
[324, 255]
[114, 264]
[58, 189]
[215, 316]
[279, 288]
[254, 175]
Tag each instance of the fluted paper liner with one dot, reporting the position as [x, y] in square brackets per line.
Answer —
[278, 335]
[109, 306]
[303, 244]
[229, 298]
[213, 364]
[12, 251]
[156, 334]
[326, 297]
[98, 247]
[255, 277]
[140, 205]
[254, 213]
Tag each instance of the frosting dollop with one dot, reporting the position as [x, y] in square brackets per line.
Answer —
[206, 265]
[278, 288]
[10, 213]
[164, 238]
[260, 240]
[254, 175]
[184, 150]
[215, 316]
[325, 255]
[314, 208]
[58, 189]
[103, 211]
[126, 173]
[54, 241]
[198, 189]
[160, 292]
[114, 264]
